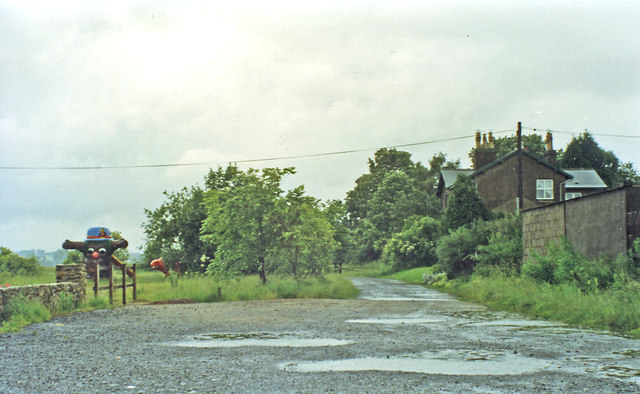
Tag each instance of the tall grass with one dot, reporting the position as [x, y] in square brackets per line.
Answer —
[19, 312]
[617, 310]
[154, 287]
[42, 275]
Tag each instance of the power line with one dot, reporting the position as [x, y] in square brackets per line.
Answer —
[344, 152]
[573, 132]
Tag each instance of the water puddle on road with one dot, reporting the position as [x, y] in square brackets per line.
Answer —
[392, 321]
[444, 363]
[261, 339]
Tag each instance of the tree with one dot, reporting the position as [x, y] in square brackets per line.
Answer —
[584, 152]
[397, 199]
[628, 173]
[306, 245]
[384, 162]
[336, 214]
[464, 206]
[173, 229]
[242, 222]
[15, 264]
[74, 257]
[394, 189]
[415, 246]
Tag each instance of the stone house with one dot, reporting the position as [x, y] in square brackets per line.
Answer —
[496, 179]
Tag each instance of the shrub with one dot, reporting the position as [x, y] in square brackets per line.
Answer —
[456, 251]
[415, 246]
[563, 265]
[21, 311]
[15, 264]
[503, 251]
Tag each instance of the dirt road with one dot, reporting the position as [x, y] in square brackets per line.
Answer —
[395, 338]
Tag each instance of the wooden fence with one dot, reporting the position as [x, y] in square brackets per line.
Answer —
[111, 286]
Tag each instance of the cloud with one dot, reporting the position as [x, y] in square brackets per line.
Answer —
[87, 83]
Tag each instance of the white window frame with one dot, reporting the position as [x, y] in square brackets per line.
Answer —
[544, 189]
[570, 195]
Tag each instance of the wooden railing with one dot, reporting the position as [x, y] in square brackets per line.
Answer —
[111, 286]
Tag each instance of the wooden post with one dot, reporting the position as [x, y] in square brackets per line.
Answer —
[111, 284]
[135, 282]
[124, 284]
[96, 282]
[519, 151]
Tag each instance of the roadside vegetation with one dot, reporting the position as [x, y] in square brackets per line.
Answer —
[242, 236]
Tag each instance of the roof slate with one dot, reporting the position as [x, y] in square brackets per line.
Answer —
[584, 179]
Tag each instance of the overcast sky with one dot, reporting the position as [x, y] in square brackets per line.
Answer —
[118, 83]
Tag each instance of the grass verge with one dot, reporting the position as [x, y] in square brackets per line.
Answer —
[153, 287]
[615, 310]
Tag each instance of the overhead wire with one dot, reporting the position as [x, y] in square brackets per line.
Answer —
[291, 157]
[266, 159]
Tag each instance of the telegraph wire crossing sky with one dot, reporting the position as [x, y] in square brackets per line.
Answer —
[105, 105]
[258, 160]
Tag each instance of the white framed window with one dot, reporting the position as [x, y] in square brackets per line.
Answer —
[544, 189]
[570, 195]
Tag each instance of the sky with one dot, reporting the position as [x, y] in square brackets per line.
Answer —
[136, 83]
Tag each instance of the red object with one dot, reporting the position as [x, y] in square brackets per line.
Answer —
[158, 264]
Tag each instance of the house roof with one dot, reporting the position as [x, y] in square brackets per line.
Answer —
[582, 179]
[450, 176]
[525, 153]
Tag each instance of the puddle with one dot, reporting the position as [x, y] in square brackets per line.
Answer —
[515, 323]
[231, 340]
[388, 290]
[471, 363]
[632, 353]
[396, 321]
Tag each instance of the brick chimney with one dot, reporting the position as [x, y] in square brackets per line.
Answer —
[484, 153]
[550, 155]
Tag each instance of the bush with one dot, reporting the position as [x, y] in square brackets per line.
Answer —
[456, 251]
[563, 265]
[15, 264]
[21, 311]
[415, 246]
[503, 251]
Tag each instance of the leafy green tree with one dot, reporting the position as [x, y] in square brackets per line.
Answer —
[336, 214]
[173, 229]
[384, 162]
[74, 257]
[13, 263]
[584, 152]
[306, 245]
[415, 246]
[628, 173]
[397, 199]
[242, 222]
[395, 189]
[464, 205]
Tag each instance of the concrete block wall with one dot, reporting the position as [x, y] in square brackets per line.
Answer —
[540, 227]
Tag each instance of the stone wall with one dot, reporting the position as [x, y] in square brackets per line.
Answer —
[540, 227]
[71, 281]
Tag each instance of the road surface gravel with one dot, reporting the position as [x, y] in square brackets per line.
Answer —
[394, 338]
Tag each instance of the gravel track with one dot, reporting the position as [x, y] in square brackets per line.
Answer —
[150, 348]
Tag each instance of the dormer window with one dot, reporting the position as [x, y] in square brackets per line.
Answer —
[544, 189]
